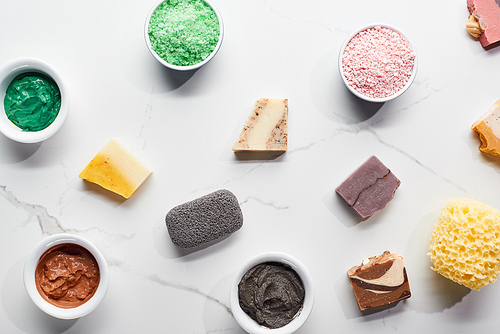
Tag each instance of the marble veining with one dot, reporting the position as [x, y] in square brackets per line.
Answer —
[271, 204]
[48, 224]
[190, 289]
[182, 126]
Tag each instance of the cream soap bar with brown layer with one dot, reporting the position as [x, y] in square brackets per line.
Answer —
[266, 128]
[116, 169]
[379, 281]
[488, 128]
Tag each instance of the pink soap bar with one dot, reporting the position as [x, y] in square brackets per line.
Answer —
[488, 14]
[369, 188]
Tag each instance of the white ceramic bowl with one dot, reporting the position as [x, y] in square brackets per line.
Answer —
[190, 67]
[8, 72]
[29, 277]
[360, 95]
[253, 327]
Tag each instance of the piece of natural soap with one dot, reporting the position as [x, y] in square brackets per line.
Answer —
[484, 20]
[369, 188]
[379, 281]
[116, 169]
[266, 128]
[488, 128]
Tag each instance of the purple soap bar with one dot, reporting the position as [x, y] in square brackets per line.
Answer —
[369, 188]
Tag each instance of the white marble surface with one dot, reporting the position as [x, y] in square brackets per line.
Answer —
[183, 127]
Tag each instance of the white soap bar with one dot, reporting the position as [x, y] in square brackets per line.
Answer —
[266, 128]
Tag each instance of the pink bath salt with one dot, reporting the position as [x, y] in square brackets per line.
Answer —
[378, 62]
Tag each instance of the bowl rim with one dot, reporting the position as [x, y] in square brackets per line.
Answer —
[381, 99]
[250, 325]
[18, 66]
[29, 276]
[189, 67]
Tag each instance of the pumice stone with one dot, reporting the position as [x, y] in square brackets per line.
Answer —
[205, 219]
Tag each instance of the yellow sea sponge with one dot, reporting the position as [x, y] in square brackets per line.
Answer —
[465, 243]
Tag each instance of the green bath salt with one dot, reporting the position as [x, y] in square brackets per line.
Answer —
[183, 32]
[32, 101]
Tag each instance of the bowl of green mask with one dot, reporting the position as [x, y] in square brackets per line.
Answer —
[34, 100]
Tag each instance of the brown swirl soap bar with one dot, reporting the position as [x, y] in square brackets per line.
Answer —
[369, 188]
[379, 281]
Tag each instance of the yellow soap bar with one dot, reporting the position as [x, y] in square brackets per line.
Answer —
[116, 169]
[266, 128]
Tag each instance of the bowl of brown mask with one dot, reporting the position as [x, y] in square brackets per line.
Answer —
[66, 276]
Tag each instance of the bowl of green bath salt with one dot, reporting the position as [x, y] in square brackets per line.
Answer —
[184, 35]
[34, 100]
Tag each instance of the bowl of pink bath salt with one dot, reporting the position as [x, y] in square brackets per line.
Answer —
[377, 62]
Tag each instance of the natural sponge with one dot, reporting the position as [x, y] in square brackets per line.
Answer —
[205, 219]
[465, 244]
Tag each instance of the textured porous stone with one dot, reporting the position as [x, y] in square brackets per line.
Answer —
[205, 219]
